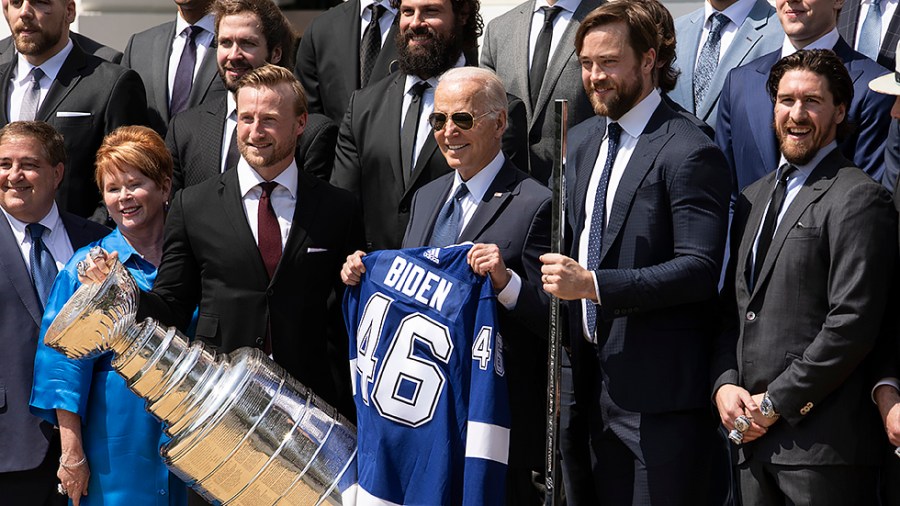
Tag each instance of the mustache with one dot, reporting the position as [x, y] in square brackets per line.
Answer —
[421, 30]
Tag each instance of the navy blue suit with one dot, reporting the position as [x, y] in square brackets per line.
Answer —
[746, 114]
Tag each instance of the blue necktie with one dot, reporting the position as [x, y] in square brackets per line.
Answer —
[870, 35]
[709, 58]
[43, 267]
[598, 217]
[446, 228]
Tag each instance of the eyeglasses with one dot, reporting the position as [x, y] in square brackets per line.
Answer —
[462, 120]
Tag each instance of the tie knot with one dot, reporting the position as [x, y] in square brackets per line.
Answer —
[192, 32]
[785, 172]
[550, 14]
[461, 191]
[267, 188]
[35, 230]
[614, 132]
[718, 21]
[377, 12]
[419, 88]
[36, 74]
[876, 4]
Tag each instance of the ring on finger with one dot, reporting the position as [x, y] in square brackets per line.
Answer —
[82, 268]
[742, 424]
[95, 253]
[60, 489]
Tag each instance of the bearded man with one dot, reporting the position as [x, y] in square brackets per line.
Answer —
[386, 149]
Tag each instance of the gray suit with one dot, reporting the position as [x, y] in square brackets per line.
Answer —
[506, 53]
[148, 52]
[759, 34]
[24, 438]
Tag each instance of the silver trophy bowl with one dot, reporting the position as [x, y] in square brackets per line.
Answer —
[243, 431]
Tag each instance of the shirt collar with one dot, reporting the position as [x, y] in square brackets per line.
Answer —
[248, 178]
[736, 12]
[50, 67]
[231, 104]
[635, 121]
[364, 4]
[411, 80]
[827, 41]
[51, 220]
[807, 169]
[207, 22]
[115, 241]
[566, 5]
[479, 183]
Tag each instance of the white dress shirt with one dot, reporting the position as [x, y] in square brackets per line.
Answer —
[202, 41]
[283, 198]
[633, 124]
[20, 81]
[560, 23]
[826, 41]
[387, 19]
[230, 124]
[737, 13]
[55, 238]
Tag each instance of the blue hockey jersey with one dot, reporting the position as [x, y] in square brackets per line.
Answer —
[428, 381]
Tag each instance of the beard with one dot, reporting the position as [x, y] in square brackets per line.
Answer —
[37, 43]
[278, 152]
[798, 153]
[231, 85]
[431, 59]
[623, 98]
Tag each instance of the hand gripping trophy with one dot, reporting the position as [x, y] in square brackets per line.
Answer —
[243, 431]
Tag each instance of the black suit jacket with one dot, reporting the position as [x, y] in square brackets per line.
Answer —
[88, 45]
[328, 59]
[195, 141]
[211, 259]
[148, 54]
[848, 23]
[25, 438]
[515, 215]
[815, 313]
[659, 263]
[89, 99]
[367, 159]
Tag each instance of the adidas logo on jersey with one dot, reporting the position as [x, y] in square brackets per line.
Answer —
[432, 254]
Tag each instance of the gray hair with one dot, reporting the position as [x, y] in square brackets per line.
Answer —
[491, 92]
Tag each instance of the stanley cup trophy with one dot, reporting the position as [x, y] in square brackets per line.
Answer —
[243, 431]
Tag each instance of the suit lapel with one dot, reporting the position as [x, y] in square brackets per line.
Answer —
[5, 76]
[753, 222]
[520, 55]
[437, 194]
[394, 97]
[847, 21]
[587, 157]
[229, 193]
[13, 267]
[746, 37]
[160, 71]
[428, 150]
[648, 146]
[889, 44]
[207, 76]
[494, 200]
[308, 203]
[762, 128]
[848, 55]
[211, 132]
[66, 80]
[386, 57]
[812, 190]
[687, 58]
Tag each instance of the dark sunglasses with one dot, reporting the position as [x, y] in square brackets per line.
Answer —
[462, 120]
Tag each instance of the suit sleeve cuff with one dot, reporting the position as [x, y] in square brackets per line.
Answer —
[510, 293]
[893, 382]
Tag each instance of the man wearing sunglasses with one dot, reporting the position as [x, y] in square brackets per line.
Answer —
[507, 214]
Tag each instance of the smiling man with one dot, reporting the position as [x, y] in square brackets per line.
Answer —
[804, 295]
[647, 193]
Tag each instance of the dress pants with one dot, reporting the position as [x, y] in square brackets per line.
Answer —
[34, 487]
[764, 484]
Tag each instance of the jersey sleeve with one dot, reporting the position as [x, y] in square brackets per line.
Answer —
[487, 429]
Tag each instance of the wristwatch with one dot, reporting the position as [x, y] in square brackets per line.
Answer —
[767, 408]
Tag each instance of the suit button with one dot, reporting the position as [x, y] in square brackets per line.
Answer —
[270, 292]
[617, 312]
[404, 209]
[260, 341]
[751, 316]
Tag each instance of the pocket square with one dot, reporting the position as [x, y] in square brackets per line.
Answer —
[316, 250]
[72, 114]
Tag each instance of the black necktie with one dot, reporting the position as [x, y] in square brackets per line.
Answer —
[43, 267]
[411, 126]
[31, 102]
[447, 226]
[184, 73]
[770, 223]
[541, 53]
[234, 155]
[598, 216]
[370, 45]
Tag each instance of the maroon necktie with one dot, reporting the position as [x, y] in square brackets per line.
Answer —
[269, 241]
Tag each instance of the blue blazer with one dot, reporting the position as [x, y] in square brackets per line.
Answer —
[746, 113]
